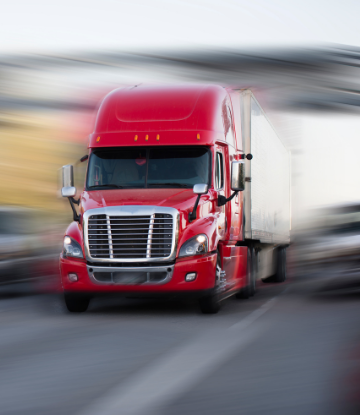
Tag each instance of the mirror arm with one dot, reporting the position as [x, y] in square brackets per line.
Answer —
[246, 156]
[192, 215]
[77, 202]
[222, 200]
[76, 217]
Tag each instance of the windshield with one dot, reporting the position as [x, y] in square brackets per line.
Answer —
[124, 167]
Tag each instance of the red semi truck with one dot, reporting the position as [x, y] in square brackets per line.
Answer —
[187, 192]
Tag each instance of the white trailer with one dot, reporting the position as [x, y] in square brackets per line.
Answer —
[267, 195]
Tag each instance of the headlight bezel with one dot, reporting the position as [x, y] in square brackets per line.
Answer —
[72, 248]
[195, 244]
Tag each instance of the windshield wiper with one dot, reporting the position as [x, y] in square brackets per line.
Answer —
[110, 186]
[170, 184]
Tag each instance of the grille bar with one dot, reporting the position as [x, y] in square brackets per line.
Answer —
[135, 223]
[125, 233]
[151, 228]
[143, 244]
[136, 239]
[110, 237]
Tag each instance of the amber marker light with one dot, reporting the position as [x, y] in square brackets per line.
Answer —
[146, 138]
[98, 139]
[135, 138]
[198, 136]
[158, 137]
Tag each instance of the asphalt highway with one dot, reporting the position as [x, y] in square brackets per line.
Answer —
[294, 348]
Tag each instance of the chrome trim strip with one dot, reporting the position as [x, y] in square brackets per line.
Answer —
[150, 234]
[132, 210]
[111, 251]
[169, 269]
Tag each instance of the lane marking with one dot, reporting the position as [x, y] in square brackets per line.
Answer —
[173, 374]
[245, 322]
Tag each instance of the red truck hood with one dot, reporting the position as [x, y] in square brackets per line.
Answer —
[181, 199]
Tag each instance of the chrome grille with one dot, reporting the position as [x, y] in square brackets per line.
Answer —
[130, 237]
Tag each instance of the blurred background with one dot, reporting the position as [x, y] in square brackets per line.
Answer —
[302, 60]
[57, 65]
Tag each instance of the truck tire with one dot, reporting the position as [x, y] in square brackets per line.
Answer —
[254, 270]
[280, 273]
[211, 303]
[76, 303]
[249, 289]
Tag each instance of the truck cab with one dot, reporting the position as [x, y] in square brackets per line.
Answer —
[162, 211]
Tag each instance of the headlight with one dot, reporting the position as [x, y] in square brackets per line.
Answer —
[72, 248]
[195, 246]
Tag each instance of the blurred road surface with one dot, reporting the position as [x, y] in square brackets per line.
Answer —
[292, 349]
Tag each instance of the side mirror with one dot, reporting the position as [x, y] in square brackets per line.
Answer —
[238, 176]
[68, 188]
[200, 189]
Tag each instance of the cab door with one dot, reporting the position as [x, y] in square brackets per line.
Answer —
[234, 206]
[231, 255]
[219, 186]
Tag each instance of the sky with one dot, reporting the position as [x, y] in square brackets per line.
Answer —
[43, 26]
[328, 162]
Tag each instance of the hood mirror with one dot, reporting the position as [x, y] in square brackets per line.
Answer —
[199, 189]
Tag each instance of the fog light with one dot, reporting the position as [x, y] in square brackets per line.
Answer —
[190, 277]
[73, 277]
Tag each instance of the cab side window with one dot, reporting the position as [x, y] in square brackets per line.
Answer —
[230, 136]
[228, 122]
[219, 172]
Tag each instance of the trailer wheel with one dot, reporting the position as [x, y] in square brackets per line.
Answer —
[211, 304]
[254, 271]
[249, 290]
[76, 303]
[280, 274]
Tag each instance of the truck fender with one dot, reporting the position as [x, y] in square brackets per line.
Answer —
[74, 230]
[207, 226]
